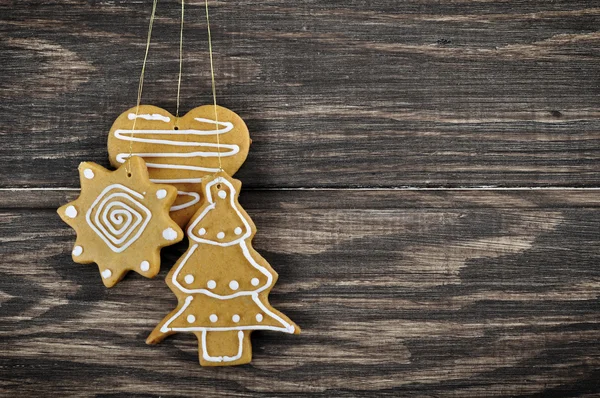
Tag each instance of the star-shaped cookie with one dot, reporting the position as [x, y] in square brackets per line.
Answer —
[121, 220]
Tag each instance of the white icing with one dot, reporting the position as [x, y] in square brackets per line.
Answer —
[211, 206]
[237, 230]
[222, 194]
[121, 217]
[214, 150]
[145, 266]
[131, 222]
[71, 211]
[235, 318]
[77, 250]
[161, 193]
[211, 284]
[246, 252]
[221, 235]
[165, 328]
[153, 116]
[125, 135]
[189, 279]
[191, 319]
[195, 199]
[180, 180]
[116, 218]
[88, 173]
[224, 358]
[254, 281]
[169, 234]
[286, 327]
[259, 317]
[289, 328]
[106, 273]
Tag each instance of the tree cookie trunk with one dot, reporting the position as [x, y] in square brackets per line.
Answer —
[225, 348]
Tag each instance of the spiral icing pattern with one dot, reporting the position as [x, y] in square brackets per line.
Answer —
[118, 217]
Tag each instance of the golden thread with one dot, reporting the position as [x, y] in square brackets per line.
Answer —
[180, 55]
[141, 83]
[212, 77]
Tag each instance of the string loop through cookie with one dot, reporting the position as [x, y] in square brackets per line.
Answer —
[212, 75]
[180, 56]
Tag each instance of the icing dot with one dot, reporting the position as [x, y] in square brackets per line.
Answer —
[202, 231]
[237, 231]
[259, 317]
[77, 250]
[255, 281]
[161, 193]
[211, 284]
[234, 285]
[145, 266]
[191, 319]
[235, 318]
[189, 279]
[222, 194]
[106, 273]
[88, 173]
[213, 318]
[221, 235]
[169, 234]
[71, 212]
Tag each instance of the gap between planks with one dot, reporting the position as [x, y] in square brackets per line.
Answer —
[401, 188]
[355, 198]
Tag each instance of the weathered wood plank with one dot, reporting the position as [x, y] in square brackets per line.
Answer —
[336, 94]
[495, 299]
[446, 293]
[367, 199]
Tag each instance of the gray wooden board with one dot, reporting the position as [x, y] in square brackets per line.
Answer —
[453, 294]
[371, 122]
[336, 94]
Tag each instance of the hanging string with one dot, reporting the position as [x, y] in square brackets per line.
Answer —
[212, 77]
[141, 83]
[180, 55]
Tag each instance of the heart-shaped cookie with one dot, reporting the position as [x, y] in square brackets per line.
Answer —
[180, 150]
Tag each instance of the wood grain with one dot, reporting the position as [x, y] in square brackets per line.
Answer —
[353, 94]
[424, 177]
[492, 295]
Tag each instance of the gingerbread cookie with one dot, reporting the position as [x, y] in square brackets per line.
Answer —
[121, 219]
[181, 150]
[221, 282]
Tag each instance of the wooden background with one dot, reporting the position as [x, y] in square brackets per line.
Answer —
[425, 177]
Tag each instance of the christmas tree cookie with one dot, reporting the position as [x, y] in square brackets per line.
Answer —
[121, 219]
[221, 282]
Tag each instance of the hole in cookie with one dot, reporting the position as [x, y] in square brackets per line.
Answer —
[218, 186]
[129, 175]
[175, 128]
